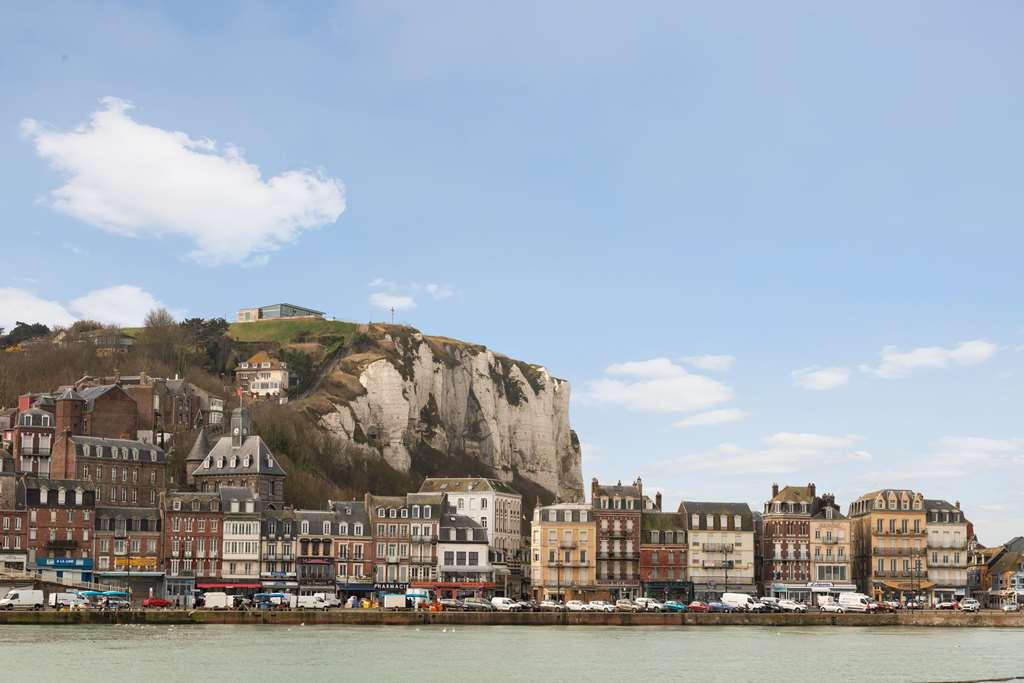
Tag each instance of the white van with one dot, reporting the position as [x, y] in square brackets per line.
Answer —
[329, 599]
[218, 601]
[742, 602]
[308, 602]
[505, 604]
[854, 602]
[65, 600]
[22, 598]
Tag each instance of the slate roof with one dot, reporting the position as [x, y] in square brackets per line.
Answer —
[794, 494]
[730, 510]
[90, 394]
[836, 514]
[467, 530]
[465, 485]
[351, 511]
[240, 494]
[200, 447]
[662, 521]
[623, 491]
[223, 453]
[102, 448]
[1007, 562]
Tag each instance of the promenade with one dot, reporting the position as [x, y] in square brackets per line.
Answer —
[929, 618]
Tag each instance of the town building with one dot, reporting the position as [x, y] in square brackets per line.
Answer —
[278, 555]
[240, 566]
[192, 531]
[563, 542]
[785, 550]
[353, 548]
[423, 535]
[463, 557]
[263, 376]
[276, 312]
[831, 549]
[32, 441]
[390, 519]
[126, 548]
[315, 557]
[1006, 570]
[947, 550]
[616, 512]
[499, 509]
[13, 517]
[890, 544]
[241, 459]
[721, 552]
[663, 553]
[60, 527]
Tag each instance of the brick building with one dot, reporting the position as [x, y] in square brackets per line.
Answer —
[192, 531]
[126, 549]
[315, 555]
[108, 412]
[13, 517]
[785, 542]
[32, 441]
[60, 526]
[390, 519]
[616, 511]
[663, 546]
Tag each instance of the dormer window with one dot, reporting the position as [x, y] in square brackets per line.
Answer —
[234, 461]
[195, 505]
[79, 495]
[405, 513]
[60, 496]
[737, 522]
[393, 513]
[358, 529]
[381, 513]
[305, 526]
[46, 420]
[206, 463]
[44, 494]
[234, 506]
[270, 461]
[245, 463]
[176, 505]
[327, 528]
[214, 505]
[711, 521]
[250, 506]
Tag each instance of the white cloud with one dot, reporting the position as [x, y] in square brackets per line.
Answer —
[896, 363]
[124, 305]
[721, 362]
[787, 453]
[821, 379]
[438, 291]
[712, 417]
[19, 305]
[656, 385]
[389, 301]
[977, 452]
[434, 290]
[137, 180]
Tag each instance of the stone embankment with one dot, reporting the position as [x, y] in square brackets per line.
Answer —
[378, 618]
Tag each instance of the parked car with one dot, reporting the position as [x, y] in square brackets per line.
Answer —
[792, 606]
[505, 604]
[650, 605]
[676, 606]
[477, 605]
[720, 607]
[451, 605]
[156, 603]
[528, 606]
[970, 605]
[770, 604]
[577, 606]
[552, 606]
[698, 606]
[627, 606]
[914, 604]
[947, 604]
[601, 606]
[885, 606]
[1011, 607]
[830, 607]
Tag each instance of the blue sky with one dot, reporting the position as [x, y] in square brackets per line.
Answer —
[674, 207]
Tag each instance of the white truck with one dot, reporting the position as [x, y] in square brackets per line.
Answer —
[329, 599]
[315, 601]
[65, 600]
[395, 601]
[854, 602]
[505, 604]
[742, 602]
[22, 598]
[218, 600]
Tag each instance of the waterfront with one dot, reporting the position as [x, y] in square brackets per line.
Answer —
[312, 653]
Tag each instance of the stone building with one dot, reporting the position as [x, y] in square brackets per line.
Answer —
[663, 554]
[192, 531]
[315, 551]
[947, 550]
[563, 543]
[241, 459]
[616, 512]
[890, 544]
[831, 548]
[721, 551]
[785, 542]
[423, 534]
[279, 532]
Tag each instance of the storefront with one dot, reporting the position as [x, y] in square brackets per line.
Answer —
[75, 569]
[669, 590]
[382, 588]
[139, 584]
[181, 590]
[459, 589]
[16, 561]
[359, 589]
[244, 589]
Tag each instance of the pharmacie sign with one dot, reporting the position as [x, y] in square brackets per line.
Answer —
[390, 586]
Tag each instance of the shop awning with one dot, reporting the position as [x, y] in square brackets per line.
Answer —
[918, 586]
[229, 585]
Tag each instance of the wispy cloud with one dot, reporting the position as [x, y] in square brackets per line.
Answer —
[821, 379]
[784, 453]
[712, 417]
[717, 363]
[138, 180]
[392, 301]
[895, 363]
[656, 385]
[403, 294]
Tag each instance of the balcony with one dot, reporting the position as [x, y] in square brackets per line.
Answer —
[901, 574]
[951, 563]
[718, 564]
[899, 532]
[567, 544]
[829, 541]
[423, 538]
[717, 547]
[613, 581]
[467, 569]
[617, 555]
[899, 552]
[574, 563]
[61, 545]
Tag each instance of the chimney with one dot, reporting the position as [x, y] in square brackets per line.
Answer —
[811, 488]
[593, 491]
[775, 489]
[657, 501]
[639, 483]
[958, 505]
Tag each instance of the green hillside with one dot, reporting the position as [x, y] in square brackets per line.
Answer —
[294, 331]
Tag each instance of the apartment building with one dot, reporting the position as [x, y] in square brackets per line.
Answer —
[191, 546]
[663, 554]
[616, 511]
[278, 552]
[831, 548]
[890, 544]
[785, 541]
[947, 550]
[563, 545]
[353, 547]
[721, 551]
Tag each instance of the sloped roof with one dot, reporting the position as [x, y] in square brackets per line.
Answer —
[794, 494]
[253, 450]
[730, 510]
[662, 521]
[90, 394]
[102, 448]
[465, 485]
[1007, 562]
[200, 447]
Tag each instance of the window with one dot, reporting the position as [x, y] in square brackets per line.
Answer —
[483, 503]
[426, 512]
[327, 527]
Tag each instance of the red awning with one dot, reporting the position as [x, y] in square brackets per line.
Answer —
[229, 585]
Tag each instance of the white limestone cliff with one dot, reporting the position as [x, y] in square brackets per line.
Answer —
[431, 397]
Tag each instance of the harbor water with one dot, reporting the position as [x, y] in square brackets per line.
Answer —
[482, 653]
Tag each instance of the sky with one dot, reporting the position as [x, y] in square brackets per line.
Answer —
[763, 241]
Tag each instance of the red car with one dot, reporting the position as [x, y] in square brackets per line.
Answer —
[698, 606]
[156, 602]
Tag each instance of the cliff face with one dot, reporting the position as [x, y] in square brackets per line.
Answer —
[433, 404]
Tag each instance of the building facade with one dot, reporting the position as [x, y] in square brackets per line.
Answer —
[890, 544]
[663, 555]
[192, 534]
[61, 517]
[353, 548]
[831, 548]
[463, 558]
[721, 549]
[390, 519]
[616, 510]
[563, 544]
[240, 566]
[241, 459]
[947, 550]
[263, 376]
[278, 552]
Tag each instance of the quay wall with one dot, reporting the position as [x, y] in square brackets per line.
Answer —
[930, 618]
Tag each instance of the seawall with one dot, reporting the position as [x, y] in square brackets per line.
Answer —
[358, 617]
